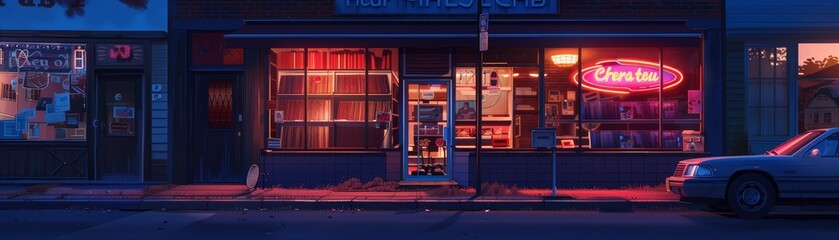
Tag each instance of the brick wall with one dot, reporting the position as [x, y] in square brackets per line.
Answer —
[568, 9]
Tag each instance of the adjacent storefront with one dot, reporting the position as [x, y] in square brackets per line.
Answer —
[789, 83]
[360, 97]
[77, 81]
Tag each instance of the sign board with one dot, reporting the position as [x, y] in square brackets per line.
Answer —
[119, 54]
[484, 41]
[624, 76]
[484, 22]
[445, 7]
[84, 15]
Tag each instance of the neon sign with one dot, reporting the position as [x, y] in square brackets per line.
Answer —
[624, 76]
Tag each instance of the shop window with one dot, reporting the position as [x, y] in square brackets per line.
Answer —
[208, 48]
[52, 79]
[496, 110]
[562, 98]
[328, 98]
[623, 98]
[768, 101]
[818, 85]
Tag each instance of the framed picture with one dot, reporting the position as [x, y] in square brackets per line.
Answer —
[551, 111]
[554, 96]
[465, 110]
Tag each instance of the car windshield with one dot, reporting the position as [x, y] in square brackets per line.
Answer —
[793, 145]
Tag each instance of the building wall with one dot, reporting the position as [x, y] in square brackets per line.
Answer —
[159, 113]
[735, 97]
[745, 14]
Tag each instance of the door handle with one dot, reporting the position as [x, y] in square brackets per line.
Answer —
[518, 126]
[96, 123]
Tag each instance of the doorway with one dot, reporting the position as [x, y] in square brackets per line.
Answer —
[428, 151]
[217, 122]
[117, 119]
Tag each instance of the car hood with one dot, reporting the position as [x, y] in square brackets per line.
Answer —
[732, 160]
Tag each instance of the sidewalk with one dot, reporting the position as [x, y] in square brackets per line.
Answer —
[228, 197]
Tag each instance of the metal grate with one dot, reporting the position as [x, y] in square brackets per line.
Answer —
[680, 170]
[220, 104]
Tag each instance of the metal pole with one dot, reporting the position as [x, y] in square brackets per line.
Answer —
[553, 191]
[479, 107]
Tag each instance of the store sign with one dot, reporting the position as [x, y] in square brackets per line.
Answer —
[119, 54]
[84, 15]
[36, 57]
[624, 76]
[445, 6]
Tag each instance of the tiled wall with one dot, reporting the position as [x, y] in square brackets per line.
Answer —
[589, 170]
[323, 169]
[528, 169]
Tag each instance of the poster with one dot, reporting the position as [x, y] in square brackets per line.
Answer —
[34, 130]
[383, 119]
[62, 102]
[53, 116]
[279, 116]
[21, 123]
[694, 102]
[29, 113]
[124, 112]
[9, 129]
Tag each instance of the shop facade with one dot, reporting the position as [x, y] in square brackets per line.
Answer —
[781, 78]
[83, 91]
[367, 91]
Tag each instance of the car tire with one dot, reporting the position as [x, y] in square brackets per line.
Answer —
[751, 196]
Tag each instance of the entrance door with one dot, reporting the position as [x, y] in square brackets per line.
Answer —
[217, 118]
[118, 158]
[427, 153]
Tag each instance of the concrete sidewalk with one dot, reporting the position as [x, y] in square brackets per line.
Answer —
[226, 197]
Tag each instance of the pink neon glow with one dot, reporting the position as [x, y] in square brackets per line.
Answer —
[624, 76]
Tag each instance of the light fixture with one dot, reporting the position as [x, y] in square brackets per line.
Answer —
[564, 60]
[79, 58]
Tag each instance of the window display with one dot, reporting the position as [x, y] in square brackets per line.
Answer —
[43, 91]
[332, 98]
[628, 97]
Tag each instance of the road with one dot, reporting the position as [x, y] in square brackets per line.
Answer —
[347, 224]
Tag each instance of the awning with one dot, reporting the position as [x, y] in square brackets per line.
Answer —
[460, 33]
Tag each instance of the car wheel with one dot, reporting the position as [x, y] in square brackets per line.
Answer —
[751, 196]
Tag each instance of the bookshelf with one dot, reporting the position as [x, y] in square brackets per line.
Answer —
[329, 100]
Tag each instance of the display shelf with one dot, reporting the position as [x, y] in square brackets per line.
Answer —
[326, 94]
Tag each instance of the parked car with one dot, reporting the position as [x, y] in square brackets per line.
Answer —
[805, 167]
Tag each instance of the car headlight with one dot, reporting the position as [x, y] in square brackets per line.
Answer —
[699, 171]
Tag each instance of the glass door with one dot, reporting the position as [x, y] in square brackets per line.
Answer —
[427, 153]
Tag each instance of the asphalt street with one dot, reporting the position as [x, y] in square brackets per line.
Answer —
[359, 224]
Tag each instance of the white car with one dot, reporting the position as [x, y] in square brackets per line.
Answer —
[804, 167]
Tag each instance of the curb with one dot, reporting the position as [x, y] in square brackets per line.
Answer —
[385, 205]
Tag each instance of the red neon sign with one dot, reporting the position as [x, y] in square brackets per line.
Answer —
[624, 76]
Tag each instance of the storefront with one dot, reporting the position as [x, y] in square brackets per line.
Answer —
[364, 97]
[79, 97]
[789, 81]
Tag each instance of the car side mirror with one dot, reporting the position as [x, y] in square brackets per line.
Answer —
[814, 153]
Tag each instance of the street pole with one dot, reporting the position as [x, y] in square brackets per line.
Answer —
[478, 96]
